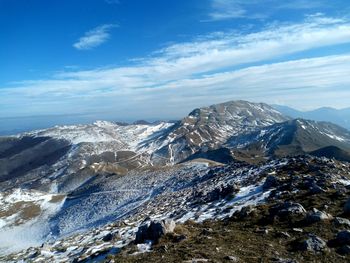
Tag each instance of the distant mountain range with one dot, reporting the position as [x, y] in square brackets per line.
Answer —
[340, 117]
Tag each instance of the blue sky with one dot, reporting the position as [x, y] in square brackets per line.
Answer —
[133, 59]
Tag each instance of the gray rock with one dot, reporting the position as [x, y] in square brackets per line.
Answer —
[313, 243]
[289, 209]
[153, 230]
[339, 221]
[317, 215]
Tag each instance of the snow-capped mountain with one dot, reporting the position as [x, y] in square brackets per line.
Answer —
[295, 137]
[61, 158]
[209, 128]
[60, 181]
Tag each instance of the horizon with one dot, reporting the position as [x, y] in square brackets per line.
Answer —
[126, 60]
[46, 121]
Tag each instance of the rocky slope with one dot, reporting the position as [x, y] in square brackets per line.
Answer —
[293, 208]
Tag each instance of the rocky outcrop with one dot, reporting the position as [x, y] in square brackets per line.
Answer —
[288, 209]
[154, 230]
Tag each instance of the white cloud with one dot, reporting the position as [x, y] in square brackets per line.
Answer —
[94, 37]
[210, 69]
[252, 9]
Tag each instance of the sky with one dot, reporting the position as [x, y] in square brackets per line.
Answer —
[155, 59]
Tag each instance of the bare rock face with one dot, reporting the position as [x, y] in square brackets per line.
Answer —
[153, 230]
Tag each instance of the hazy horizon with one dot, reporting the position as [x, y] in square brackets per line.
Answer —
[19, 124]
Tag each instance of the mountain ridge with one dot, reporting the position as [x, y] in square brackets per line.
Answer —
[340, 117]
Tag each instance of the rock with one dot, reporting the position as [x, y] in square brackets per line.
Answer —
[108, 237]
[288, 209]
[316, 189]
[153, 230]
[347, 207]
[284, 234]
[33, 254]
[220, 192]
[244, 212]
[317, 215]
[271, 181]
[231, 258]
[339, 221]
[179, 238]
[298, 230]
[343, 238]
[313, 243]
[344, 250]
[262, 230]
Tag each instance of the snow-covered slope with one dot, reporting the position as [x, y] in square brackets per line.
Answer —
[293, 137]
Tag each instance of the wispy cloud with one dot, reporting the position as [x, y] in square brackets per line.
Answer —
[94, 37]
[209, 69]
[255, 9]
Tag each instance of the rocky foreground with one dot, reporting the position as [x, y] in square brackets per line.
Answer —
[288, 210]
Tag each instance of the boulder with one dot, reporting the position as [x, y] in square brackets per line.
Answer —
[153, 230]
[288, 209]
[220, 192]
[270, 182]
[313, 243]
[317, 215]
[343, 238]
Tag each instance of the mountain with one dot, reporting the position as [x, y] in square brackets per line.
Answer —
[71, 186]
[209, 128]
[291, 138]
[340, 117]
[332, 152]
